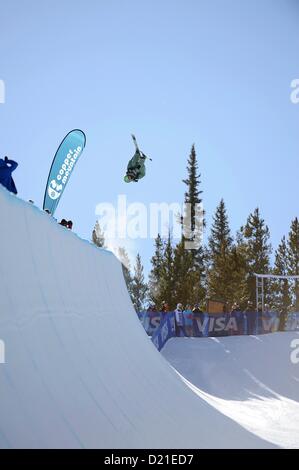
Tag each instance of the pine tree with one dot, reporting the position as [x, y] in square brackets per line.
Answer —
[161, 278]
[192, 194]
[194, 201]
[256, 236]
[220, 241]
[293, 258]
[139, 287]
[98, 236]
[126, 267]
[167, 274]
[156, 271]
[183, 269]
[220, 256]
[239, 272]
[189, 264]
[281, 293]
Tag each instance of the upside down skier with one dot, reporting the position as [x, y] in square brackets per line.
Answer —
[136, 166]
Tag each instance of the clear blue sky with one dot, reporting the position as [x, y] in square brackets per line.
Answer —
[213, 72]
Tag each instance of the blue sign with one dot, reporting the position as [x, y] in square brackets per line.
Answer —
[63, 164]
[162, 326]
[150, 321]
[165, 331]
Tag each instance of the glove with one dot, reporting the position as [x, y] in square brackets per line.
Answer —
[6, 159]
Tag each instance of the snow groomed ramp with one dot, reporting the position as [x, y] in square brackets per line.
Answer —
[251, 379]
[80, 372]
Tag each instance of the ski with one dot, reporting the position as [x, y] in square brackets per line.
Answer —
[137, 148]
[135, 143]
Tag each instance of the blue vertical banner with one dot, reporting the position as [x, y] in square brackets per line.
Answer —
[65, 159]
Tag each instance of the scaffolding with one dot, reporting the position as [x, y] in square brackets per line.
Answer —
[260, 286]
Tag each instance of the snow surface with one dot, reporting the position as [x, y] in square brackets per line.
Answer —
[250, 379]
[80, 371]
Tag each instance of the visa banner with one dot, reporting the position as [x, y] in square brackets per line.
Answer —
[65, 159]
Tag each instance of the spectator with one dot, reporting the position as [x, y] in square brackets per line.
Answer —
[152, 308]
[6, 168]
[179, 321]
[70, 225]
[249, 308]
[267, 311]
[197, 315]
[64, 223]
[235, 308]
[236, 328]
[225, 308]
[188, 320]
[269, 324]
[259, 308]
[164, 307]
[196, 309]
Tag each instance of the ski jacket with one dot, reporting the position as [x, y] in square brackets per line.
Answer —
[136, 167]
[164, 308]
[6, 168]
[179, 317]
[188, 317]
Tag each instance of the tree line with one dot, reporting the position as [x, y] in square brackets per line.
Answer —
[222, 269]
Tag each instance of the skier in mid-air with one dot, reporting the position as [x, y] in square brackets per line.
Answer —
[136, 166]
[6, 168]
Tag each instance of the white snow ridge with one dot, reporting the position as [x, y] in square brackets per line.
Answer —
[80, 372]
